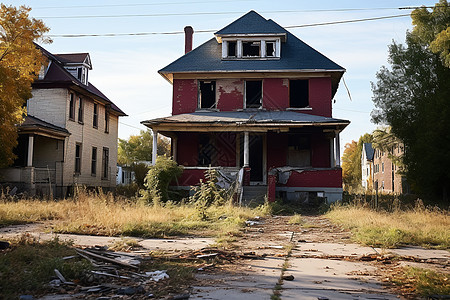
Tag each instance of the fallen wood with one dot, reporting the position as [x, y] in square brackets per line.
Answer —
[61, 278]
[107, 259]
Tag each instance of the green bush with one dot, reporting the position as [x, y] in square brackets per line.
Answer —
[127, 190]
[158, 179]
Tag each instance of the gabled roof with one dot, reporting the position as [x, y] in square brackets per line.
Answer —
[75, 59]
[57, 76]
[251, 23]
[367, 147]
[246, 119]
[296, 56]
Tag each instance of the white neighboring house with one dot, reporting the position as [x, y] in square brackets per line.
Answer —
[69, 135]
[125, 175]
[367, 166]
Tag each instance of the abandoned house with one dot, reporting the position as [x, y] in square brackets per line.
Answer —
[255, 102]
[69, 135]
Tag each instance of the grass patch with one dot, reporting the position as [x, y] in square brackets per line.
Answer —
[427, 227]
[296, 219]
[28, 266]
[101, 214]
[421, 282]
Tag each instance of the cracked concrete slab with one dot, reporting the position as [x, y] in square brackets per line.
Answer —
[253, 280]
[335, 249]
[316, 278]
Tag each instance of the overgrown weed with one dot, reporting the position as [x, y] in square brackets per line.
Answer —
[420, 225]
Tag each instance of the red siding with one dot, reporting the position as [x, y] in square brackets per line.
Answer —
[320, 96]
[320, 151]
[317, 178]
[276, 94]
[191, 177]
[187, 149]
[184, 96]
[276, 150]
[230, 94]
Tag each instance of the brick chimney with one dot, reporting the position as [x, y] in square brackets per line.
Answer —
[188, 34]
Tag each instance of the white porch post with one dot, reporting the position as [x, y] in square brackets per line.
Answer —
[246, 149]
[174, 148]
[30, 150]
[338, 150]
[332, 154]
[155, 146]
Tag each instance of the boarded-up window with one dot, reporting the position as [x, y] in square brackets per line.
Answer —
[298, 93]
[207, 94]
[207, 151]
[299, 150]
[253, 94]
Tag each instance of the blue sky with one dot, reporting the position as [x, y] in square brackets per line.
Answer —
[125, 67]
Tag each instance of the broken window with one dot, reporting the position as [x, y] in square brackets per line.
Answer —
[207, 150]
[232, 48]
[270, 49]
[80, 110]
[298, 93]
[299, 150]
[251, 49]
[95, 118]
[253, 94]
[207, 94]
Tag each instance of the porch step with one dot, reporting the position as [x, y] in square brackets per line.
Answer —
[254, 195]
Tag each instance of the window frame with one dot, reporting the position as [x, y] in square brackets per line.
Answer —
[301, 98]
[94, 161]
[72, 107]
[239, 48]
[246, 93]
[105, 163]
[95, 116]
[107, 113]
[78, 157]
[80, 110]
[199, 95]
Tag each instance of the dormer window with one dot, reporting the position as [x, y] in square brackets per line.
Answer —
[251, 48]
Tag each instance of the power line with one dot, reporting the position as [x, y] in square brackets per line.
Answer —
[130, 126]
[212, 30]
[139, 4]
[216, 13]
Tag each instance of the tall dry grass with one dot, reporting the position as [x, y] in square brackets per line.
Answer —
[102, 214]
[428, 227]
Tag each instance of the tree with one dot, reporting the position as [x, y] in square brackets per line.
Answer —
[433, 28]
[413, 98]
[386, 141]
[139, 148]
[351, 163]
[20, 62]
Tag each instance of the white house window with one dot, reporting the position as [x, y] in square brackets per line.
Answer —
[248, 48]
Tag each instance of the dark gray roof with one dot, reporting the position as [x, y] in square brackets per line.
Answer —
[251, 23]
[33, 123]
[57, 75]
[295, 54]
[247, 117]
[369, 150]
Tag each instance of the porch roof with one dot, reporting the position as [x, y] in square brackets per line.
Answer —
[33, 125]
[246, 120]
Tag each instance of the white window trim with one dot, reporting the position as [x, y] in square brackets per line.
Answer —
[239, 47]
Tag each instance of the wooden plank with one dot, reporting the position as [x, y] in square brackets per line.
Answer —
[107, 259]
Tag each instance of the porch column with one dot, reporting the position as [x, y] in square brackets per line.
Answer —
[30, 150]
[332, 154]
[155, 146]
[338, 150]
[246, 149]
[174, 148]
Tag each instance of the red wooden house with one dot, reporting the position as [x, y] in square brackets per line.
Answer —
[258, 99]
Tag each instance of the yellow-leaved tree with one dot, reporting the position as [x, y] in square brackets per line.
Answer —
[20, 62]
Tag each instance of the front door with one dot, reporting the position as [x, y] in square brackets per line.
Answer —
[256, 157]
